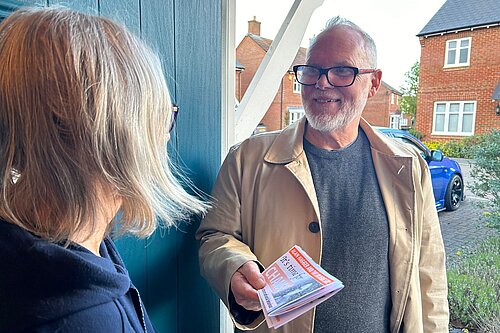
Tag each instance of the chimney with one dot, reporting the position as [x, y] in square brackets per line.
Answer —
[254, 27]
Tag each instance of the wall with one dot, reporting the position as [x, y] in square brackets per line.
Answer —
[474, 82]
[379, 107]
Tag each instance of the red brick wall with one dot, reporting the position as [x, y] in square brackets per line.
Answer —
[378, 108]
[250, 55]
[475, 82]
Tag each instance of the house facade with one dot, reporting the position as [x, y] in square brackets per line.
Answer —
[286, 108]
[459, 71]
[383, 109]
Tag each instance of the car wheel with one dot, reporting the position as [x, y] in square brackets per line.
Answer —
[454, 193]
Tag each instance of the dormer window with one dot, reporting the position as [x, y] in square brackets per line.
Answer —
[457, 52]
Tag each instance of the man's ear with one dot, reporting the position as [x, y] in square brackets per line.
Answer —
[376, 79]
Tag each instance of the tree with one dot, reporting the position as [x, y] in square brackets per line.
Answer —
[409, 89]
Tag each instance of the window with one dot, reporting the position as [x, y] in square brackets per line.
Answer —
[392, 98]
[457, 52]
[394, 121]
[455, 118]
[295, 113]
[296, 86]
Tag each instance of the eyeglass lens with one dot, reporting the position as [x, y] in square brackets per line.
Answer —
[337, 76]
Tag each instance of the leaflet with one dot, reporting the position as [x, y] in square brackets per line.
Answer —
[294, 285]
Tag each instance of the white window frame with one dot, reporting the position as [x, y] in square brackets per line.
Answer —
[296, 86]
[457, 53]
[392, 98]
[295, 113]
[460, 118]
[394, 121]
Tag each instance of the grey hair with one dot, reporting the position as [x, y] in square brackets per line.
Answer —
[84, 106]
[340, 22]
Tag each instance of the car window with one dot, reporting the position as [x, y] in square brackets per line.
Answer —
[408, 141]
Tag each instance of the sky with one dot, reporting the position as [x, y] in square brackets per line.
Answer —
[393, 24]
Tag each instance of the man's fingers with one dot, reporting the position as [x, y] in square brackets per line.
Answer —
[251, 272]
[244, 284]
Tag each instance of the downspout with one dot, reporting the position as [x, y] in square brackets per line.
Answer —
[281, 104]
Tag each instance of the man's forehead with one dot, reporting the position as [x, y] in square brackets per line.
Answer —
[338, 41]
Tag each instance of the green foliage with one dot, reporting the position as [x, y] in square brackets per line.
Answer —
[409, 89]
[486, 174]
[474, 286]
[415, 133]
[462, 148]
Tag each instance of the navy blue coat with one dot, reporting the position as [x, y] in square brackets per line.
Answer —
[45, 287]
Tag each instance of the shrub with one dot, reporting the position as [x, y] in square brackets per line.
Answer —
[415, 133]
[462, 148]
[474, 287]
[486, 174]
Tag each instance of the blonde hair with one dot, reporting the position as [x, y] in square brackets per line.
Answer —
[83, 102]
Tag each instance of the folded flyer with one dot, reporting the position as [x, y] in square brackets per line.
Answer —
[294, 285]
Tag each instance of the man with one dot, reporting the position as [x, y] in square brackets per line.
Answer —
[356, 201]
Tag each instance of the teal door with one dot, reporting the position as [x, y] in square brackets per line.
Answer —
[186, 34]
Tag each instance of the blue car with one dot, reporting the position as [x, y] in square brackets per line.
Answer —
[446, 174]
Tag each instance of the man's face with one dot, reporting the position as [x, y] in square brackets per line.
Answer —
[329, 108]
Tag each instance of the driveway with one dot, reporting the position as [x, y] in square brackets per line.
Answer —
[462, 229]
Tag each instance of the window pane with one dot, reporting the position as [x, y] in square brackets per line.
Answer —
[452, 44]
[467, 123]
[451, 57]
[440, 108]
[469, 108]
[463, 56]
[454, 107]
[464, 43]
[439, 126]
[453, 123]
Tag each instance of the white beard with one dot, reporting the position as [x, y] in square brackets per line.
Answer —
[325, 122]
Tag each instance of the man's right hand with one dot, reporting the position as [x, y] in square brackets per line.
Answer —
[244, 284]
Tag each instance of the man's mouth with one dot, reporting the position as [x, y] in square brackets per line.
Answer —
[327, 100]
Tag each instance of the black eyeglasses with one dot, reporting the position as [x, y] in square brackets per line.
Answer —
[175, 111]
[337, 76]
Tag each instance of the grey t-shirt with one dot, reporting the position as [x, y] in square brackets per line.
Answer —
[355, 238]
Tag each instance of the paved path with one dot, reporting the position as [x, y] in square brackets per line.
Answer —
[462, 229]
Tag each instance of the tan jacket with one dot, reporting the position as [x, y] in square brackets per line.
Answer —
[265, 201]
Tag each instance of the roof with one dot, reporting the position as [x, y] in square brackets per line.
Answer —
[496, 93]
[461, 14]
[394, 90]
[265, 43]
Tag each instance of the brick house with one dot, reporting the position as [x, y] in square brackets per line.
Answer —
[286, 108]
[287, 105]
[459, 71]
[383, 109]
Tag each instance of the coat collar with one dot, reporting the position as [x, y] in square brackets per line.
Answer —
[288, 146]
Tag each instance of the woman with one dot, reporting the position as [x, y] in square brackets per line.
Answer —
[84, 121]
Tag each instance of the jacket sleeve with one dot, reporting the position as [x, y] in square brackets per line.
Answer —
[432, 266]
[222, 250]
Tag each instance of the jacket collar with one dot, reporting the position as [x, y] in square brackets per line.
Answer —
[288, 145]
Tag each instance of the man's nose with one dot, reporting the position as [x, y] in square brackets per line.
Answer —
[323, 83]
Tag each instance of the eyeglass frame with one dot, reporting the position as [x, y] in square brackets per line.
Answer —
[175, 111]
[324, 71]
